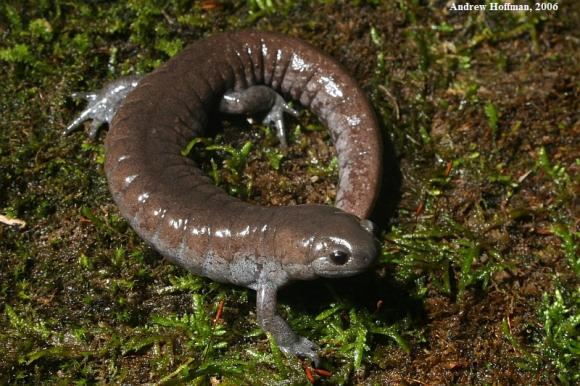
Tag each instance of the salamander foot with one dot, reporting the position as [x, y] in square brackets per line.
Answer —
[303, 348]
[275, 118]
[103, 104]
[259, 99]
[271, 321]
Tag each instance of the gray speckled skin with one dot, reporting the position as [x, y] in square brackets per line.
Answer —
[172, 205]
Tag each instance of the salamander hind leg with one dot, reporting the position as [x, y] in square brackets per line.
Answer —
[275, 118]
[103, 104]
[287, 340]
[257, 99]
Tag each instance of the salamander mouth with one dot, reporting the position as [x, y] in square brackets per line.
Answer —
[342, 273]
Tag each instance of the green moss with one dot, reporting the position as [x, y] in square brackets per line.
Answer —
[19, 53]
[557, 344]
[262, 8]
[449, 255]
[492, 117]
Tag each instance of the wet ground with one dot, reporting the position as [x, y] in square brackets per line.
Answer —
[478, 279]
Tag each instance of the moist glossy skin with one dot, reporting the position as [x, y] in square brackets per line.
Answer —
[171, 204]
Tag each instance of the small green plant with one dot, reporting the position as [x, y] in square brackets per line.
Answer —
[260, 8]
[560, 315]
[111, 225]
[353, 338]
[570, 245]
[19, 53]
[557, 172]
[274, 157]
[322, 170]
[492, 117]
[232, 160]
[237, 157]
[557, 344]
[450, 256]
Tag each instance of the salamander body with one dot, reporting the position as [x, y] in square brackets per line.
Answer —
[170, 203]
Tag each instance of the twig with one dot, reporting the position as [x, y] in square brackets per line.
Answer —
[12, 221]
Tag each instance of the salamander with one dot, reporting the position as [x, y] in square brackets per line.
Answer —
[172, 205]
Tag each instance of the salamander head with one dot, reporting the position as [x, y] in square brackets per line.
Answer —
[347, 247]
[335, 243]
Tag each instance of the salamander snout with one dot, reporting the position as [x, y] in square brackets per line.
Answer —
[347, 247]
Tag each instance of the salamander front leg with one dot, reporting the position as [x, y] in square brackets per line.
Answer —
[269, 320]
[256, 99]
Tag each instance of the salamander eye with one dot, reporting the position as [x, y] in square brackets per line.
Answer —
[339, 257]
